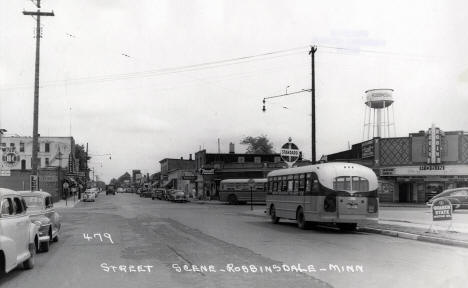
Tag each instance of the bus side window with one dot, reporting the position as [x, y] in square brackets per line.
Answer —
[301, 184]
[284, 185]
[308, 184]
[315, 184]
[290, 184]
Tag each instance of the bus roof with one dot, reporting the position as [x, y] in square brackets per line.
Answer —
[258, 180]
[327, 172]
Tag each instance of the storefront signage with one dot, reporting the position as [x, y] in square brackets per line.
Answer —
[207, 171]
[441, 210]
[189, 177]
[387, 171]
[290, 153]
[34, 182]
[367, 149]
[432, 167]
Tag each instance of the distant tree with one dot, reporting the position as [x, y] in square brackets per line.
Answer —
[80, 154]
[113, 181]
[258, 145]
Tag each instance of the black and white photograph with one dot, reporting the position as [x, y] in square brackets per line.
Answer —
[233, 143]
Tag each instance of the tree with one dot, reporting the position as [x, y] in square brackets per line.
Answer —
[80, 154]
[258, 145]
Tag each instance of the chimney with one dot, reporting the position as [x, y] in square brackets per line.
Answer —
[231, 148]
[190, 156]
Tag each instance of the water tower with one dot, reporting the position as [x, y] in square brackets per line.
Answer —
[377, 118]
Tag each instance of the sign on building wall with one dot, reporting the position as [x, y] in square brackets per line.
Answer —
[367, 149]
[34, 182]
[434, 141]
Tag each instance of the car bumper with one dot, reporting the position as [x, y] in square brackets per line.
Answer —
[44, 238]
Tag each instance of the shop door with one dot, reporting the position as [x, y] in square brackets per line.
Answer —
[404, 192]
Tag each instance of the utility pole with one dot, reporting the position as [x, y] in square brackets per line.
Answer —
[312, 51]
[38, 15]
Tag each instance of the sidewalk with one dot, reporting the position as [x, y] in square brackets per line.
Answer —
[458, 236]
[69, 203]
[212, 202]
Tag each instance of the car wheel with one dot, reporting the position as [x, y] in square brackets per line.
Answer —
[273, 217]
[55, 239]
[29, 264]
[44, 247]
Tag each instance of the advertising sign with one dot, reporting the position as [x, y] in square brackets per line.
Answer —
[290, 153]
[441, 210]
[34, 182]
[367, 149]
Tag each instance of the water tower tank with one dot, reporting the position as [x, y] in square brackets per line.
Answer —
[377, 118]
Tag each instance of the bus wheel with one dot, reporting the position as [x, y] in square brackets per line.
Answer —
[301, 223]
[273, 217]
[232, 199]
[347, 226]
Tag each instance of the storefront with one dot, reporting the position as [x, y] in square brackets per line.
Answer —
[413, 169]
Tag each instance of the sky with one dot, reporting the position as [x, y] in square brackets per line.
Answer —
[147, 80]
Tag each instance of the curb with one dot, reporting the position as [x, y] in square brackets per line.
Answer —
[417, 237]
[399, 234]
[207, 202]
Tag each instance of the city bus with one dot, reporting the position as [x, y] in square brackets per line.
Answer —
[344, 194]
[235, 191]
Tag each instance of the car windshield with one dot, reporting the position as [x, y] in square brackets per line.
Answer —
[33, 202]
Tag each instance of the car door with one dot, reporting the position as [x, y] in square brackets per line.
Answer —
[51, 214]
[23, 222]
[8, 223]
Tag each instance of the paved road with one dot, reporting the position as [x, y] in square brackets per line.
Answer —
[158, 237]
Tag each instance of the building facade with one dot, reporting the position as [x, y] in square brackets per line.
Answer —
[211, 168]
[53, 152]
[415, 168]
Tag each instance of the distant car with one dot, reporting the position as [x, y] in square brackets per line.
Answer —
[19, 237]
[110, 189]
[159, 193]
[89, 195]
[41, 209]
[177, 196]
[146, 192]
[120, 190]
[458, 197]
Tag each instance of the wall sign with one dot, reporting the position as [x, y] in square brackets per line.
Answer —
[367, 149]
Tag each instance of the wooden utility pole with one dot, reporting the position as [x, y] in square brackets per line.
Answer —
[312, 55]
[35, 148]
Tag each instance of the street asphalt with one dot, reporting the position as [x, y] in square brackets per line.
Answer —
[128, 241]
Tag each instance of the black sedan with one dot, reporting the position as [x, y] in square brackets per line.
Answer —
[458, 197]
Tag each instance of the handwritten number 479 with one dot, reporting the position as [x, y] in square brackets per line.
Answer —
[98, 236]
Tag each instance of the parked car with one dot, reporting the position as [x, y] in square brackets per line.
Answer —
[159, 193]
[110, 189]
[19, 237]
[41, 209]
[89, 195]
[177, 196]
[120, 190]
[146, 192]
[458, 197]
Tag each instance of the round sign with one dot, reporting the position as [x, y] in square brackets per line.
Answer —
[290, 153]
[10, 158]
